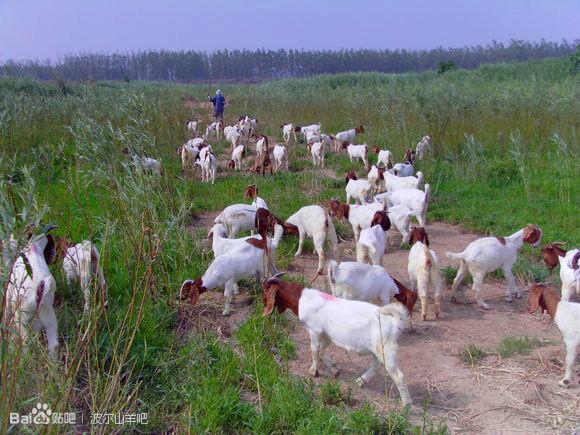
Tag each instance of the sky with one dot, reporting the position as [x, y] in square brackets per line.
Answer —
[42, 29]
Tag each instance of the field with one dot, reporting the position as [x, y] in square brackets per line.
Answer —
[505, 150]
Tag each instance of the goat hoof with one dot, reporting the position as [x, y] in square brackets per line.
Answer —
[360, 382]
[226, 313]
[313, 372]
[423, 317]
[564, 383]
[483, 305]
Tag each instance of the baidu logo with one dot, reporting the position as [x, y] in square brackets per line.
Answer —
[41, 414]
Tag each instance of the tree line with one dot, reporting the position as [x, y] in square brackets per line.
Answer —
[256, 65]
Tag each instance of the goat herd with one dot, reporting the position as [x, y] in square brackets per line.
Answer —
[390, 195]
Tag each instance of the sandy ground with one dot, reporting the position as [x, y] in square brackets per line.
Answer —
[516, 394]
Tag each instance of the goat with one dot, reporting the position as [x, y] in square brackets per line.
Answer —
[423, 269]
[403, 169]
[313, 221]
[247, 259]
[192, 126]
[237, 218]
[262, 164]
[31, 288]
[359, 190]
[359, 216]
[144, 163]
[208, 164]
[317, 151]
[280, 157]
[554, 255]
[565, 315]
[414, 199]
[287, 130]
[357, 152]
[353, 325]
[400, 216]
[422, 147]
[251, 192]
[347, 136]
[384, 158]
[373, 241]
[491, 253]
[238, 157]
[261, 145]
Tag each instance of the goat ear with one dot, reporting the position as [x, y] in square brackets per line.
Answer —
[49, 250]
[426, 239]
[270, 300]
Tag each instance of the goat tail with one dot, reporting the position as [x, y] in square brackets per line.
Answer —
[455, 255]
[332, 267]
[331, 235]
[420, 179]
[395, 310]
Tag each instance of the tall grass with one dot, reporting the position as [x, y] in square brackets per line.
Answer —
[504, 145]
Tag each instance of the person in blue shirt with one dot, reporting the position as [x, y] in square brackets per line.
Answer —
[219, 102]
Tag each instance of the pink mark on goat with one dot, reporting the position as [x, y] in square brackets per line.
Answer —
[327, 296]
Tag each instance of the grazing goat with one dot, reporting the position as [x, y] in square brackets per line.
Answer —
[414, 199]
[251, 192]
[359, 190]
[238, 157]
[353, 325]
[373, 241]
[554, 255]
[361, 282]
[313, 221]
[400, 216]
[261, 145]
[491, 253]
[82, 263]
[144, 163]
[347, 136]
[423, 146]
[403, 169]
[30, 290]
[315, 128]
[262, 164]
[357, 152]
[384, 158]
[359, 216]
[565, 315]
[192, 126]
[251, 258]
[393, 182]
[423, 269]
[189, 155]
[317, 151]
[287, 130]
[233, 136]
[237, 218]
[214, 130]
[280, 157]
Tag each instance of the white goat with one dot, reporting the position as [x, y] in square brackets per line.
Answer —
[208, 166]
[30, 291]
[423, 146]
[359, 190]
[347, 136]
[403, 170]
[400, 217]
[491, 253]
[251, 258]
[414, 199]
[280, 157]
[287, 132]
[361, 282]
[237, 218]
[317, 151]
[393, 182]
[423, 269]
[82, 263]
[189, 154]
[385, 158]
[565, 315]
[261, 145]
[372, 244]
[554, 255]
[313, 221]
[192, 126]
[358, 152]
[353, 325]
[238, 157]
[359, 216]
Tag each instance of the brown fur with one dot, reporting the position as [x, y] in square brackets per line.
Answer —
[543, 296]
[360, 129]
[192, 289]
[39, 293]
[376, 150]
[49, 250]
[550, 254]
[350, 175]
[251, 192]
[282, 295]
[418, 234]
[406, 297]
[344, 145]
[62, 244]
[501, 240]
[381, 218]
[575, 260]
[297, 129]
[409, 156]
[532, 234]
[232, 164]
[381, 172]
[339, 209]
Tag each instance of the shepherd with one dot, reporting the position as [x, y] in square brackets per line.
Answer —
[218, 102]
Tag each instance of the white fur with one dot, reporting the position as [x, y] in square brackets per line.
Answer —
[371, 245]
[400, 217]
[317, 150]
[423, 269]
[238, 157]
[385, 158]
[403, 170]
[423, 146]
[237, 218]
[358, 152]
[287, 132]
[359, 190]
[414, 199]
[280, 157]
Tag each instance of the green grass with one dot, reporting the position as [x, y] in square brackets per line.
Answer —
[504, 155]
[472, 354]
[520, 345]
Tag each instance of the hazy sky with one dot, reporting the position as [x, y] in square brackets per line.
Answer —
[49, 28]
